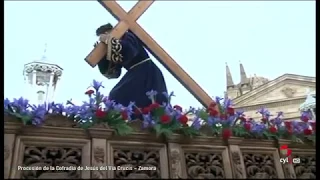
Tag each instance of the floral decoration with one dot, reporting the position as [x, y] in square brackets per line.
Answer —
[165, 119]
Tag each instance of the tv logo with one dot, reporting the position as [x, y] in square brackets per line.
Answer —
[285, 151]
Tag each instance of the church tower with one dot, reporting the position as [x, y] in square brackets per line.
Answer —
[232, 89]
[41, 78]
[244, 81]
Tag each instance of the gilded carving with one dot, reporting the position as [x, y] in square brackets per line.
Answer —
[175, 164]
[306, 169]
[63, 160]
[98, 160]
[6, 152]
[259, 166]
[204, 166]
[238, 170]
[288, 92]
[132, 164]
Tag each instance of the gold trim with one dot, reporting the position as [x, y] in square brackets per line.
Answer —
[148, 59]
[113, 50]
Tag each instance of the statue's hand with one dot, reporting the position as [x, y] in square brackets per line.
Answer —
[104, 38]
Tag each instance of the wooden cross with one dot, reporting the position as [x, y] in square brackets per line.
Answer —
[128, 21]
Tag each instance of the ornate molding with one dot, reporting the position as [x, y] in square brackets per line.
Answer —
[43, 67]
[297, 101]
[237, 167]
[288, 92]
[175, 164]
[98, 160]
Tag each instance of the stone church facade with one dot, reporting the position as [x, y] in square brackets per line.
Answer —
[285, 93]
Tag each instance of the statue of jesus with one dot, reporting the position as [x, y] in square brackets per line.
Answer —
[142, 74]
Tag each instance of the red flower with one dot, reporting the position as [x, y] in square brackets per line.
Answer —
[213, 112]
[288, 124]
[307, 132]
[124, 115]
[226, 133]
[177, 107]
[154, 106]
[183, 119]
[137, 111]
[273, 129]
[212, 104]
[230, 111]
[89, 92]
[100, 113]
[243, 119]
[146, 110]
[313, 125]
[247, 126]
[304, 119]
[264, 120]
[165, 119]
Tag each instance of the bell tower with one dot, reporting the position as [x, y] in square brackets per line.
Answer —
[41, 79]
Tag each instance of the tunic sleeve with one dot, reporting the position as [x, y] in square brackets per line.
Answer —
[124, 49]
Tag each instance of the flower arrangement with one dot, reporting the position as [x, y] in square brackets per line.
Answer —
[165, 119]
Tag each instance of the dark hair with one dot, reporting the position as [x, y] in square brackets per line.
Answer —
[104, 28]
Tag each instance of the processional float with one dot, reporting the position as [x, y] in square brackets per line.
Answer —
[128, 21]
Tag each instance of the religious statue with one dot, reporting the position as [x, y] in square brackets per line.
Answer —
[142, 74]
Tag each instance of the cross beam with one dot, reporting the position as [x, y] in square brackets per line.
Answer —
[128, 21]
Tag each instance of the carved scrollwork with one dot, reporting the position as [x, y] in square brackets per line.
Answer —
[175, 165]
[288, 174]
[259, 166]
[306, 169]
[236, 161]
[132, 164]
[98, 160]
[43, 67]
[204, 166]
[64, 160]
[6, 152]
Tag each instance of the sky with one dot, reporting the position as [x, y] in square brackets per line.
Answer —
[269, 38]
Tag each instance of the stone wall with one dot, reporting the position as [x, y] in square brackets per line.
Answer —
[142, 155]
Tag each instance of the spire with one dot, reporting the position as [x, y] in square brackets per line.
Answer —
[243, 75]
[43, 58]
[229, 77]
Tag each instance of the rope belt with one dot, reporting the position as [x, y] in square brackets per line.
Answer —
[148, 59]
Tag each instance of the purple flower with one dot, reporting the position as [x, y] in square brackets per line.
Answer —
[227, 103]
[218, 99]
[6, 102]
[129, 110]
[196, 124]
[152, 95]
[118, 107]
[239, 113]
[38, 114]
[258, 128]
[213, 120]
[147, 121]
[168, 96]
[97, 85]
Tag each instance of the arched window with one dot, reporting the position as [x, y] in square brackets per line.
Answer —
[40, 97]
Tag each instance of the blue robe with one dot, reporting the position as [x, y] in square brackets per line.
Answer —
[141, 77]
